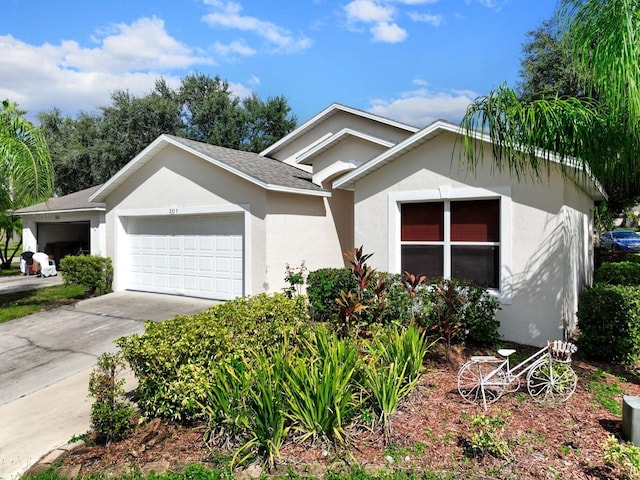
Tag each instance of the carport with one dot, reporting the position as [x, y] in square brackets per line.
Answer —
[67, 225]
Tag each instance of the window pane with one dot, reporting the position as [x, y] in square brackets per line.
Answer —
[475, 221]
[422, 222]
[479, 264]
[423, 260]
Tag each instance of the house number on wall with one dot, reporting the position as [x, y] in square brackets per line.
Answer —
[173, 211]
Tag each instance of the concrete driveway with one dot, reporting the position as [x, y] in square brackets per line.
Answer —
[46, 359]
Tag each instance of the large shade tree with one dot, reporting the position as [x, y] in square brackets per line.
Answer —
[27, 173]
[597, 132]
[89, 148]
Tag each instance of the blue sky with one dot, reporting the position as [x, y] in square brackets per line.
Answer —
[411, 60]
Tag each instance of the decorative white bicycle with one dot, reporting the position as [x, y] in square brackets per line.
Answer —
[550, 378]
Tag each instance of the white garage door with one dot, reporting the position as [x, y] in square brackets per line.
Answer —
[193, 255]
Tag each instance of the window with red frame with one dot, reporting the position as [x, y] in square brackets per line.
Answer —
[468, 231]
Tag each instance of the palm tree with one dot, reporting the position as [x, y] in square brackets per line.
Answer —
[598, 133]
[27, 170]
[24, 160]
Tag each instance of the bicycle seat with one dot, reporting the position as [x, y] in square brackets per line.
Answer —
[505, 352]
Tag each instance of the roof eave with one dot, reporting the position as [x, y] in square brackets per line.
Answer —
[164, 140]
[60, 211]
[298, 191]
[347, 181]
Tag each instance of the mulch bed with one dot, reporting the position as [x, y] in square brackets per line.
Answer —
[430, 431]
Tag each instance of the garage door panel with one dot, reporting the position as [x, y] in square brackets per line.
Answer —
[174, 262]
[223, 285]
[190, 263]
[238, 265]
[190, 255]
[175, 243]
[174, 281]
[223, 265]
[190, 282]
[206, 265]
[206, 244]
[190, 244]
[146, 261]
[161, 243]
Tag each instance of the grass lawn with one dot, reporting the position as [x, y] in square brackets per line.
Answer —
[19, 304]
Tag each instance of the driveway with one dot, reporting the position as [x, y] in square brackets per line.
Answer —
[46, 359]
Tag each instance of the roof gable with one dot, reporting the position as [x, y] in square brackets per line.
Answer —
[264, 172]
[328, 143]
[584, 179]
[328, 113]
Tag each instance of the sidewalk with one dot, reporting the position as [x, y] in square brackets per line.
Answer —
[20, 283]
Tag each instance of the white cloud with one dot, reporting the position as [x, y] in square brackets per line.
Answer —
[388, 33]
[254, 81]
[417, 2]
[384, 17]
[233, 49]
[493, 4]
[73, 77]
[368, 11]
[422, 107]
[434, 20]
[279, 39]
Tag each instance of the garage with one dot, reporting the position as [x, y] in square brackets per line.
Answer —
[192, 255]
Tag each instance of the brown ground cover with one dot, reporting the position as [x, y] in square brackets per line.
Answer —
[430, 431]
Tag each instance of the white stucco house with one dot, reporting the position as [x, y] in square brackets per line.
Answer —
[188, 218]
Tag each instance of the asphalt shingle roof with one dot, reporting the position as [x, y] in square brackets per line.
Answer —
[73, 201]
[263, 169]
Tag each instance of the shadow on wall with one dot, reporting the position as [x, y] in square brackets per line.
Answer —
[538, 293]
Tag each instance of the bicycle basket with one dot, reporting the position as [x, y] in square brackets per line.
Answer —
[561, 351]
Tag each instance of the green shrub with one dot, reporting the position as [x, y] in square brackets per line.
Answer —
[626, 456]
[618, 273]
[111, 415]
[479, 318]
[487, 436]
[93, 273]
[457, 311]
[609, 322]
[398, 305]
[174, 360]
[324, 286]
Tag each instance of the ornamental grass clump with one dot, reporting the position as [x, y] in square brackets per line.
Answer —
[321, 395]
[266, 416]
[393, 371]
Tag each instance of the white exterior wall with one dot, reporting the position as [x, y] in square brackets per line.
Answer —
[29, 233]
[342, 157]
[545, 271]
[177, 182]
[311, 229]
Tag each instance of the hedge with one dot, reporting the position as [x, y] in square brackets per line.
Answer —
[93, 273]
[618, 273]
[609, 321]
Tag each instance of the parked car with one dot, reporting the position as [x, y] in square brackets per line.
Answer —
[621, 240]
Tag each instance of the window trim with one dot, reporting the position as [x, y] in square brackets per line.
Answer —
[443, 194]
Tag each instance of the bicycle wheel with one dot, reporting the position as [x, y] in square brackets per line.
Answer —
[475, 386]
[551, 382]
